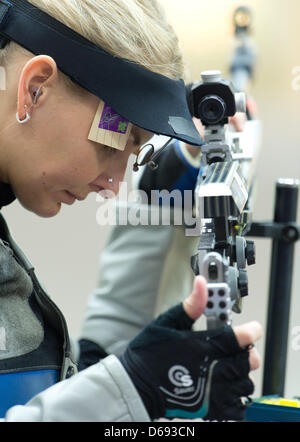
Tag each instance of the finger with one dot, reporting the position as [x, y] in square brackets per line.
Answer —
[226, 401]
[247, 334]
[238, 121]
[182, 316]
[193, 150]
[176, 318]
[232, 369]
[199, 126]
[254, 359]
[241, 388]
[235, 124]
[195, 304]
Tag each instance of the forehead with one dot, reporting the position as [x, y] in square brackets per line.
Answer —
[113, 130]
[110, 128]
[145, 98]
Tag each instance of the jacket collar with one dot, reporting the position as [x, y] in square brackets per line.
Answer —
[7, 195]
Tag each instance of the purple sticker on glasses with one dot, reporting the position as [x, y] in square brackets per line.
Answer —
[112, 121]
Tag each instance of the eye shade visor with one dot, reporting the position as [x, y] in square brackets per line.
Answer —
[146, 99]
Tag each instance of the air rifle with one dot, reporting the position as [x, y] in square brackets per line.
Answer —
[224, 190]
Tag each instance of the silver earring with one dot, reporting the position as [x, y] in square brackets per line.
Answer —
[110, 180]
[26, 119]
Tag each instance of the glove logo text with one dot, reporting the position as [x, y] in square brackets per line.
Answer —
[180, 376]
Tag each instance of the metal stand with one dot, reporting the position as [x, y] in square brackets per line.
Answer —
[285, 232]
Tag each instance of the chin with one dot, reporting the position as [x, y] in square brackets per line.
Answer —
[41, 204]
[47, 212]
[43, 211]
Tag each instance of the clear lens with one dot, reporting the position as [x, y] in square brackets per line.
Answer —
[145, 155]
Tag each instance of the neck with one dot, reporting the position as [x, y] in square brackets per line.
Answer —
[3, 155]
[3, 170]
[6, 195]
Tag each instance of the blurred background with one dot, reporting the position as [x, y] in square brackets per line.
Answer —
[65, 250]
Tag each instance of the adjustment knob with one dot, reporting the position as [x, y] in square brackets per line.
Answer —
[211, 76]
[250, 252]
[243, 283]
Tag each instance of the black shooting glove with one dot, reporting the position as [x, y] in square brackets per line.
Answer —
[180, 373]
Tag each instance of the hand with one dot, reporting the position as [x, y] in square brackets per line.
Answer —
[246, 334]
[186, 374]
[237, 121]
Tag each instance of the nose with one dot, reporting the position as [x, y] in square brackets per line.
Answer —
[112, 178]
[107, 182]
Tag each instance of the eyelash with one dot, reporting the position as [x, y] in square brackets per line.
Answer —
[109, 150]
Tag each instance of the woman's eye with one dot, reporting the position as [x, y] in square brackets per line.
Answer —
[109, 150]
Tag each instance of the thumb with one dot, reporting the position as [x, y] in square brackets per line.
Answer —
[195, 304]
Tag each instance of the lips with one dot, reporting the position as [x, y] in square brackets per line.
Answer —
[68, 198]
[95, 188]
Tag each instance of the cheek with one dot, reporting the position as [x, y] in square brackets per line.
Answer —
[120, 163]
[75, 164]
[68, 141]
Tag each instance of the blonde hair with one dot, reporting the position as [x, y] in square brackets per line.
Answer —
[136, 30]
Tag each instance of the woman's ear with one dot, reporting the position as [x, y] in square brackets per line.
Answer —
[35, 93]
[38, 72]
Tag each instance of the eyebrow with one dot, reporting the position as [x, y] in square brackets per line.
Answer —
[137, 137]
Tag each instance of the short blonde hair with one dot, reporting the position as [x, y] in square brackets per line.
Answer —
[136, 30]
